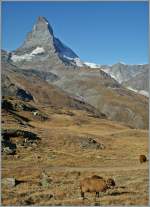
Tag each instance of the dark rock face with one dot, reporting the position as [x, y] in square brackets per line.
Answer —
[7, 133]
[8, 147]
[7, 105]
[24, 95]
[9, 142]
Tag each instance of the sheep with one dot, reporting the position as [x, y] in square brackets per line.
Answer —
[97, 177]
[95, 184]
[143, 158]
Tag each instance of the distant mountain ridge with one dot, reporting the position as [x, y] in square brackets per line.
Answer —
[131, 76]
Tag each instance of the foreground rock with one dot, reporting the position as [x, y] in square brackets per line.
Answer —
[8, 182]
[13, 138]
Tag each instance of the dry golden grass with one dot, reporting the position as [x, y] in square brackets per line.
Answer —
[60, 155]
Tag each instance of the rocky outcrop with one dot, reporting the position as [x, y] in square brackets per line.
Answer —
[8, 133]
[9, 142]
[9, 182]
[90, 143]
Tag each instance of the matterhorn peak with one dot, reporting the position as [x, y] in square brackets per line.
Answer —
[40, 36]
[42, 19]
[43, 22]
[41, 44]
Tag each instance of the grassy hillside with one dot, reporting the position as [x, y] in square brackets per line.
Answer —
[72, 144]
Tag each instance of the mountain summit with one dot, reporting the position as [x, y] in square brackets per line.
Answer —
[41, 44]
[41, 35]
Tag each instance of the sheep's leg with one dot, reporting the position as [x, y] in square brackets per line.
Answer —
[97, 194]
[82, 195]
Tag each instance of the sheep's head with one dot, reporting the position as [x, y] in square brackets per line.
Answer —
[110, 183]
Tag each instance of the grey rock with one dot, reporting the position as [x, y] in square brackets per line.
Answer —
[9, 182]
[8, 151]
[45, 180]
[90, 143]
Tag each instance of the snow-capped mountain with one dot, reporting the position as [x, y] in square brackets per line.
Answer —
[28, 56]
[45, 59]
[41, 43]
[140, 82]
[134, 77]
[123, 72]
[43, 51]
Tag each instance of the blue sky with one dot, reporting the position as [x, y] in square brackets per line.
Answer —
[100, 32]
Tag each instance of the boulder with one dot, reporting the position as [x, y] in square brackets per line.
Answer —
[9, 182]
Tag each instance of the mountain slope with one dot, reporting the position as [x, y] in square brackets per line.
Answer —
[140, 82]
[107, 95]
[42, 52]
[29, 85]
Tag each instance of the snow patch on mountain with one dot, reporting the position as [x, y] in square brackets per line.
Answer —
[28, 56]
[145, 93]
[116, 76]
[38, 50]
[92, 65]
[17, 58]
[76, 61]
[142, 92]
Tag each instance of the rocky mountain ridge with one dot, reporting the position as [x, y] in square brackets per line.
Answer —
[127, 74]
